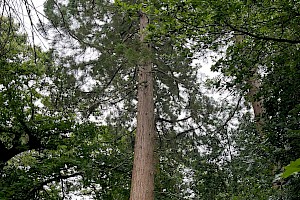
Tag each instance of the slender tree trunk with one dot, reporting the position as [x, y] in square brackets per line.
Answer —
[256, 103]
[142, 183]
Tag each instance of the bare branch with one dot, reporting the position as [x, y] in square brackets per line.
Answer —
[187, 131]
[261, 37]
[231, 114]
[172, 121]
[56, 178]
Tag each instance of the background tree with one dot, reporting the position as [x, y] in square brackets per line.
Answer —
[256, 37]
[46, 153]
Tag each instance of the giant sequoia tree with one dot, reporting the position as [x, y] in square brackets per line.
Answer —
[43, 147]
[122, 63]
[142, 184]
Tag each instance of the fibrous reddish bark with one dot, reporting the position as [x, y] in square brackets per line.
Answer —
[142, 183]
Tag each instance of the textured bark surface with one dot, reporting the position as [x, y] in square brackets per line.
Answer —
[254, 82]
[142, 183]
[256, 103]
[254, 89]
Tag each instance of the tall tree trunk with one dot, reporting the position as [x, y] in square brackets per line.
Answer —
[142, 183]
[256, 103]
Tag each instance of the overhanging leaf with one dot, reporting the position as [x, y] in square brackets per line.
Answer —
[292, 168]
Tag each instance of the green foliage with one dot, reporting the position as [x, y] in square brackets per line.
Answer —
[46, 109]
[86, 163]
[293, 167]
[47, 152]
[258, 41]
[114, 38]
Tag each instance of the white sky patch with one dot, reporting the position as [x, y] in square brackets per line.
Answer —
[206, 63]
[35, 16]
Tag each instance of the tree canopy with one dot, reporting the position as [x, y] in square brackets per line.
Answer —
[68, 115]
